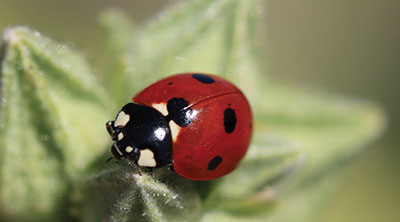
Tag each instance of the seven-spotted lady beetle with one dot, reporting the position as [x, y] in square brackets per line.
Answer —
[198, 124]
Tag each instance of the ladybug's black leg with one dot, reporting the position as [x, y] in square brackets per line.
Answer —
[108, 160]
[170, 165]
[150, 171]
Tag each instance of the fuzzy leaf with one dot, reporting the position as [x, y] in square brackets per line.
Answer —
[154, 48]
[50, 129]
[295, 150]
[119, 32]
[52, 134]
[330, 130]
[200, 36]
[256, 184]
[126, 196]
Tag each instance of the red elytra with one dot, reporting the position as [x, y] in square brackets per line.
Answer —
[218, 136]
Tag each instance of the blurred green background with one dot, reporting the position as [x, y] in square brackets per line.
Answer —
[349, 47]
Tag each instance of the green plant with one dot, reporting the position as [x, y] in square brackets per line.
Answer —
[54, 144]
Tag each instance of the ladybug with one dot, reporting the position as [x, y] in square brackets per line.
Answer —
[199, 125]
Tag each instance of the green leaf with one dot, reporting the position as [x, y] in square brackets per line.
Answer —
[199, 36]
[119, 32]
[255, 185]
[330, 129]
[154, 50]
[126, 196]
[302, 138]
[51, 124]
[52, 116]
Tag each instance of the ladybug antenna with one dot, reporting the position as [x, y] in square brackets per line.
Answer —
[108, 160]
[134, 165]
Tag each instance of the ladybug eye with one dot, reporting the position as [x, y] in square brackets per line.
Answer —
[116, 151]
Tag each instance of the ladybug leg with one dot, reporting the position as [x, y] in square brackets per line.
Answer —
[108, 160]
[171, 165]
[132, 164]
[150, 171]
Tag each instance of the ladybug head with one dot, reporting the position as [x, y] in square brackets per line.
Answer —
[142, 135]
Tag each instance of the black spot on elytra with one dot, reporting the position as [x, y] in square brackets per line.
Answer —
[229, 120]
[203, 78]
[170, 83]
[251, 125]
[178, 111]
[214, 163]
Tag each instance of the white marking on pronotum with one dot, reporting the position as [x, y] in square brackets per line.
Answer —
[122, 119]
[174, 130]
[160, 133]
[120, 136]
[128, 149]
[161, 107]
[119, 151]
[146, 158]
